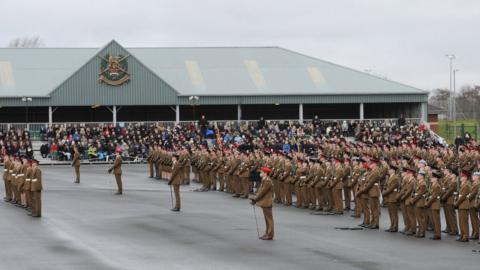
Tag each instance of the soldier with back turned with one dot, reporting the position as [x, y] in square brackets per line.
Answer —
[76, 164]
[117, 171]
[176, 180]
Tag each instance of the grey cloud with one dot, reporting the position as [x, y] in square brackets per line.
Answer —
[403, 40]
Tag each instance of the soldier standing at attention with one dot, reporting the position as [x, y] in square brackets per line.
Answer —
[448, 190]
[36, 189]
[473, 196]
[347, 184]
[212, 174]
[264, 199]
[176, 180]
[390, 196]
[76, 164]
[463, 204]
[362, 198]
[419, 204]
[186, 166]
[355, 184]
[221, 170]
[27, 188]
[156, 159]
[410, 204]
[372, 189]
[6, 175]
[117, 171]
[336, 186]
[433, 202]
[150, 161]
[14, 181]
[22, 180]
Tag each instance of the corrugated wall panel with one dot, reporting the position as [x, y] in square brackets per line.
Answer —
[83, 88]
[217, 100]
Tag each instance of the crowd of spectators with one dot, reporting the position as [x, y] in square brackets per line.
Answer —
[15, 142]
[133, 141]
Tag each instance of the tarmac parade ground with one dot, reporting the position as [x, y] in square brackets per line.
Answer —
[86, 226]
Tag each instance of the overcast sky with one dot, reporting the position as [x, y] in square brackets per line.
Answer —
[403, 40]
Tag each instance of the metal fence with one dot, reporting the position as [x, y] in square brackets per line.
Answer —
[36, 127]
[449, 131]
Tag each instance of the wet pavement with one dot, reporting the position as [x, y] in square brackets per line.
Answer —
[86, 226]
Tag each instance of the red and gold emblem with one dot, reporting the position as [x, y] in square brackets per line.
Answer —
[113, 70]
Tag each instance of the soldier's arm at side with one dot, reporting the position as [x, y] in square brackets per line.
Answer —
[263, 191]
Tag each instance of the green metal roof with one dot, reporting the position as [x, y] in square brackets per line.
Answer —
[276, 71]
[37, 72]
[232, 71]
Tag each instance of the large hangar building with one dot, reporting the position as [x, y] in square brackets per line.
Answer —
[117, 84]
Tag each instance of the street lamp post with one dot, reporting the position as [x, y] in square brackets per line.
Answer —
[194, 101]
[26, 100]
[454, 103]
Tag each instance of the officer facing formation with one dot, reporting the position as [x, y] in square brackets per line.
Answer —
[76, 164]
[176, 180]
[263, 198]
[117, 171]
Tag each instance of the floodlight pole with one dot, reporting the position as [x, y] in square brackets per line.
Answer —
[26, 100]
[451, 57]
[454, 103]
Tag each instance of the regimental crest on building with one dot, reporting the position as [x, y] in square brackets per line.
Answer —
[114, 70]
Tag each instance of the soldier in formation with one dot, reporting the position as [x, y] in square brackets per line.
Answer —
[23, 184]
[411, 181]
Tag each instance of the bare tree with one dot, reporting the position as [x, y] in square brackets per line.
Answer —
[439, 97]
[467, 101]
[26, 42]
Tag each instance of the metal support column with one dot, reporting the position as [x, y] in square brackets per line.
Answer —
[177, 114]
[50, 115]
[424, 112]
[114, 112]
[239, 113]
[300, 113]
[362, 114]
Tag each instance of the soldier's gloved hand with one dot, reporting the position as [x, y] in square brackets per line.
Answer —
[109, 171]
[252, 201]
